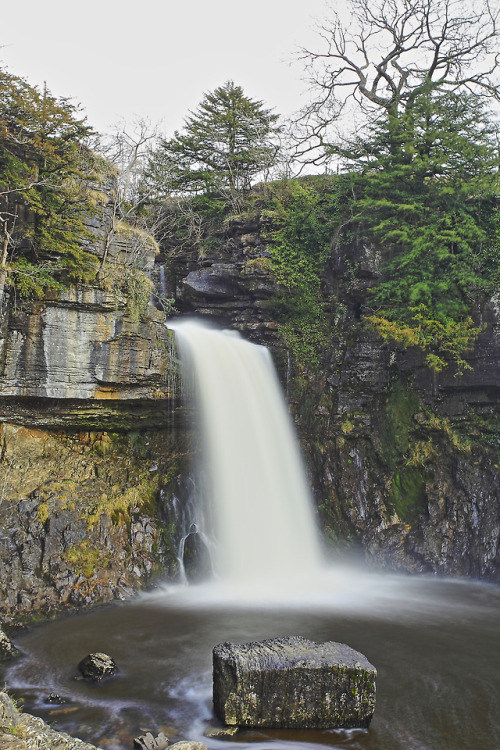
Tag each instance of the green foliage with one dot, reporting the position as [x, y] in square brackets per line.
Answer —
[302, 215]
[227, 142]
[119, 502]
[480, 429]
[426, 187]
[449, 339]
[129, 284]
[84, 558]
[137, 288]
[42, 512]
[45, 186]
[31, 281]
[397, 424]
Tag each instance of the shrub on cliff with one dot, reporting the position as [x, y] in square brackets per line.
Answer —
[302, 216]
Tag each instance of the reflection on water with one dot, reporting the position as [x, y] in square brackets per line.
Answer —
[434, 643]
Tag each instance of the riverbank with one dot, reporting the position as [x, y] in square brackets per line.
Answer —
[21, 731]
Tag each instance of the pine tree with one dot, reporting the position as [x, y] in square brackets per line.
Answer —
[224, 144]
[428, 191]
[44, 192]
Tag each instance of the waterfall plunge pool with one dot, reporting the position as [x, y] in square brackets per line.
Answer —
[434, 643]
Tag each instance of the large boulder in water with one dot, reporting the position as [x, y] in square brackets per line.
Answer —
[291, 682]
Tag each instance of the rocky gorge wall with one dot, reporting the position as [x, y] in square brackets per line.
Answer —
[93, 455]
[404, 463]
[95, 483]
[88, 443]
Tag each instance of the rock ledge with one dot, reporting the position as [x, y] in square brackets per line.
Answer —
[20, 731]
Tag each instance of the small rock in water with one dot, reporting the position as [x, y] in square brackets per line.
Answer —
[97, 666]
[292, 683]
[57, 699]
[148, 742]
[214, 732]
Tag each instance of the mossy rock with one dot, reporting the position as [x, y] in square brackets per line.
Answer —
[408, 495]
[397, 423]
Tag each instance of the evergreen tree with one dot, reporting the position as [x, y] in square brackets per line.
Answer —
[429, 193]
[44, 176]
[424, 162]
[224, 144]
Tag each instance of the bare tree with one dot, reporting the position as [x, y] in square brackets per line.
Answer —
[389, 53]
[126, 149]
[5, 239]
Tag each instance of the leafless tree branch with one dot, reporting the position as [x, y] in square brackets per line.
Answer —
[391, 51]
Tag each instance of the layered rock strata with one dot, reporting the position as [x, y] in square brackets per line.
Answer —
[84, 346]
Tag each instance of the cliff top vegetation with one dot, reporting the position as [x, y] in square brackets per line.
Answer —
[418, 176]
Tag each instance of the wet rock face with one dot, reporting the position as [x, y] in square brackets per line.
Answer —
[78, 517]
[196, 557]
[291, 682]
[403, 461]
[231, 294]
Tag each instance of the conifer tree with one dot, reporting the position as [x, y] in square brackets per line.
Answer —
[224, 144]
[44, 171]
[431, 197]
[419, 77]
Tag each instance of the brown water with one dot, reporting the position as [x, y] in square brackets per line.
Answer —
[434, 642]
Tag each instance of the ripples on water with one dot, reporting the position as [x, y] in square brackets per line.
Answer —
[434, 643]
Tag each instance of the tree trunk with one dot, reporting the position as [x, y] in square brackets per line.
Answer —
[5, 235]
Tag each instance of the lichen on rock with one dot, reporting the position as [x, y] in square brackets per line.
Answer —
[292, 682]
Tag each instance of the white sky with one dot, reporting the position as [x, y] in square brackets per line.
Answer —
[156, 58]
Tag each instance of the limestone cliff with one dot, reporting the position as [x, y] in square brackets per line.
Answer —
[94, 450]
[404, 463]
[88, 395]
[72, 353]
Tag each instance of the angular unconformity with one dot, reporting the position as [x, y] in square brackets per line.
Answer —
[292, 682]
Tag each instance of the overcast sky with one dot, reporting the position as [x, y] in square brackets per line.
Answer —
[156, 58]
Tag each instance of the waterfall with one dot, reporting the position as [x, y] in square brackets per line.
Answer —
[254, 481]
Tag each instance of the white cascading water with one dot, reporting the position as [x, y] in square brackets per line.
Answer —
[257, 490]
